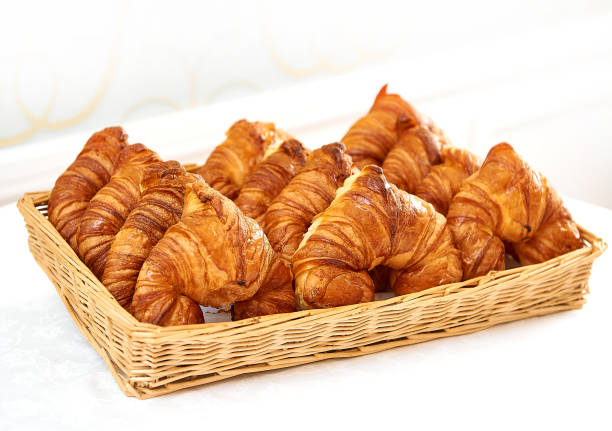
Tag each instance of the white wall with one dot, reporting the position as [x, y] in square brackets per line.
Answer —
[534, 75]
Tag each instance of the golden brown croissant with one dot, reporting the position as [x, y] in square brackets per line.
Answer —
[108, 209]
[231, 162]
[91, 170]
[508, 201]
[270, 177]
[443, 181]
[370, 223]
[161, 205]
[369, 140]
[214, 256]
[410, 160]
[306, 195]
[274, 296]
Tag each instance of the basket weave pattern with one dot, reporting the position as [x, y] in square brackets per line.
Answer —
[148, 360]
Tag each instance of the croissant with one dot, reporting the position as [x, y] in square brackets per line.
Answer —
[370, 223]
[443, 181]
[161, 205]
[508, 201]
[270, 177]
[369, 140]
[274, 296]
[213, 256]
[231, 162]
[108, 209]
[90, 171]
[410, 160]
[306, 195]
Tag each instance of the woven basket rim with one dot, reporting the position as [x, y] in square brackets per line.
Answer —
[31, 202]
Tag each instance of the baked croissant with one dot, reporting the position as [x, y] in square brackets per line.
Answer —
[370, 223]
[213, 256]
[274, 296]
[270, 177]
[91, 170]
[108, 209]
[307, 194]
[231, 162]
[506, 200]
[411, 158]
[369, 140]
[443, 181]
[161, 205]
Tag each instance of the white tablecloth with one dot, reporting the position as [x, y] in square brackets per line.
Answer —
[547, 372]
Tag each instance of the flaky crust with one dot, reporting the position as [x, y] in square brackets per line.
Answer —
[91, 170]
[443, 181]
[213, 256]
[270, 177]
[160, 206]
[306, 195]
[506, 200]
[370, 223]
[369, 140]
[558, 234]
[231, 162]
[275, 295]
[412, 157]
[165, 306]
[108, 209]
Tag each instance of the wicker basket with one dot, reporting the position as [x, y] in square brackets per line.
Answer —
[148, 360]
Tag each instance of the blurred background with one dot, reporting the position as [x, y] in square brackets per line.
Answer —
[177, 74]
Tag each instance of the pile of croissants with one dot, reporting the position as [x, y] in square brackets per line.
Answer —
[267, 226]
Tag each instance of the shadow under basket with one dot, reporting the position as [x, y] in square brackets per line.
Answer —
[148, 360]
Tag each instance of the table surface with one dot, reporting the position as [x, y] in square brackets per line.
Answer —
[551, 371]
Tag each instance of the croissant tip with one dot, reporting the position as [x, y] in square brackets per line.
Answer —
[138, 147]
[375, 169]
[243, 122]
[335, 148]
[502, 146]
[113, 133]
[117, 132]
[293, 147]
[381, 94]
